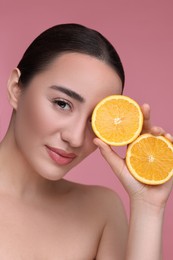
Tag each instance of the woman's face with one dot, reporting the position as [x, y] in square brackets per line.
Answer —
[53, 118]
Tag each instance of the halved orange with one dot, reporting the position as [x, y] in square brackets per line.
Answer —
[150, 159]
[117, 120]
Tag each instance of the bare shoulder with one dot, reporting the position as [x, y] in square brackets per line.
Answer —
[100, 198]
[102, 215]
[109, 214]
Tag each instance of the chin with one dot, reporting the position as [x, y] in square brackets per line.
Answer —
[53, 175]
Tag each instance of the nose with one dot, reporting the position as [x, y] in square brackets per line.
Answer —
[75, 133]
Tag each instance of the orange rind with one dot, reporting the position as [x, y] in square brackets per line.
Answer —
[150, 159]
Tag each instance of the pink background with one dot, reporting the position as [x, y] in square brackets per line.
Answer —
[143, 35]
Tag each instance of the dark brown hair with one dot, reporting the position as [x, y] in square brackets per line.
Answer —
[67, 38]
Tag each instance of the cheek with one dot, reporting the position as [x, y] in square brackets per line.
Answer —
[33, 120]
[89, 145]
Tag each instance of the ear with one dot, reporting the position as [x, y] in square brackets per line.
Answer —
[14, 90]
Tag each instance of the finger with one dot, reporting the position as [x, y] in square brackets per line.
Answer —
[155, 130]
[169, 137]
[114, 160]
[146, 111]
[117, 164]
[146, 114]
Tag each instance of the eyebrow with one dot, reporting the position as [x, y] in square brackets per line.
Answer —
[69, 92]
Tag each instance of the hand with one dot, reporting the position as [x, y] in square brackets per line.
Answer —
[147, 127]
[155, 195]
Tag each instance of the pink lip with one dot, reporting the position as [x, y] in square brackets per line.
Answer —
[59, 156]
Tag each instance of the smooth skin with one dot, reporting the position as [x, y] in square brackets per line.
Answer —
[43, 216]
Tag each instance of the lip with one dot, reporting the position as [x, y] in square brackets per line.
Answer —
[60, 156]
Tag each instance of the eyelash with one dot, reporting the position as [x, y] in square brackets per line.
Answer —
[61, 103]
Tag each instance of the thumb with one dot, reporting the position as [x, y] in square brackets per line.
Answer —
[114, 160]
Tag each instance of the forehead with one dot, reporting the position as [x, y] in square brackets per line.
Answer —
[84, 74]
[87, 69]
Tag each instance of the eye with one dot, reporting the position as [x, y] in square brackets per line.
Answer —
[63, 104]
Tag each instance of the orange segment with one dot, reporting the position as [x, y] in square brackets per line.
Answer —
[150, 159]
[117, 120]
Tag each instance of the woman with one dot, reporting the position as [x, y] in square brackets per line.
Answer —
[63, 74]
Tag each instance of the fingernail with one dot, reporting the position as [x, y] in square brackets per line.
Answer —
[169, 136]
